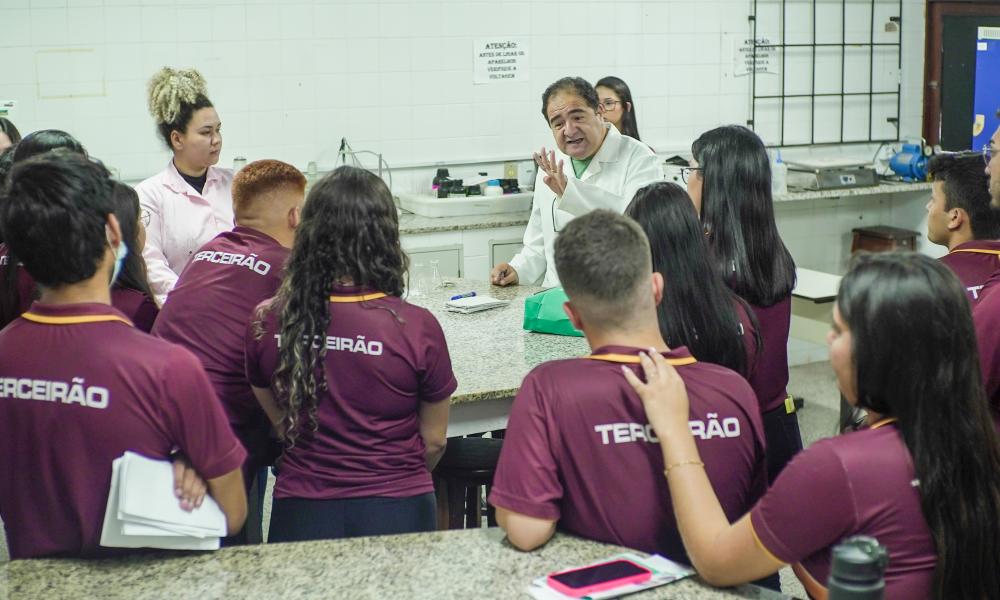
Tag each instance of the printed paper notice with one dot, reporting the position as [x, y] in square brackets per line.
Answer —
[500, 60]
[753, 56]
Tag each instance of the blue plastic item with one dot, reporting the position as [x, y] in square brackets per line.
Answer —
[910, 163]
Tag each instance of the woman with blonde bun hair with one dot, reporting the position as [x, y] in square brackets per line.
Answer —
[189, 202]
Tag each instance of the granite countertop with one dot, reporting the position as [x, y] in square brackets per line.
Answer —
[470, 564]
[886, 187]
[490, 352]
[410, 223]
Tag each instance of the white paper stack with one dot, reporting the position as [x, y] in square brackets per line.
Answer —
[474, 304]
[664, 571]
[143, 512]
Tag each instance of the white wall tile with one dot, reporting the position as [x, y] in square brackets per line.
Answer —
[366, 67]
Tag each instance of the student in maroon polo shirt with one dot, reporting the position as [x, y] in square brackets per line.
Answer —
[17, 288]
[357, 379]
[131, 293]
[698, 311]
[959, 217]
[579, 452]
[730, 184]
[986, 312]
[921, 478]
[213, 300]
[79, 385]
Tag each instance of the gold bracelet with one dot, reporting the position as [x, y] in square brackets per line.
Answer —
[666, 471]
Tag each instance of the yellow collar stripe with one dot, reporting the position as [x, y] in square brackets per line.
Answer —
[977, 251]
[74, 320]
[633, 359]
[361, 298]
[882, 423]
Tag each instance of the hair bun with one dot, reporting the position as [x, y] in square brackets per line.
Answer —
[171, 88]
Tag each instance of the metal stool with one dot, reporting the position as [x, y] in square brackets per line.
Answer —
[465, 469]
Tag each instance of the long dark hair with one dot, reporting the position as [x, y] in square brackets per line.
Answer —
[133, 274]
[698, 310]
[349, 231]
[916, 359]
[738, 214]
[620, 88]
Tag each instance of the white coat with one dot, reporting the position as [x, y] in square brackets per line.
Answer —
[621, 167]
[179, 220]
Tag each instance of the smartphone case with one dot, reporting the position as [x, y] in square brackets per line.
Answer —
[598, 587]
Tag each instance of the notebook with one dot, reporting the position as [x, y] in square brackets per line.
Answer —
[142, 511]
[474, 304]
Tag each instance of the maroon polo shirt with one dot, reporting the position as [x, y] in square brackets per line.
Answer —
[770, 379]
[749, 343]
[384, 357]
[986, 319]
[78, 387]
[138, 307]
[579, 449]
[208, 310]
[974, 262]
[855, 484]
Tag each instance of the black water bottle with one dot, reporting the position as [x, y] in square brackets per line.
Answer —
[857, 570]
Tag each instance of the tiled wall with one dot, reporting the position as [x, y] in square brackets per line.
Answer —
[291, 78]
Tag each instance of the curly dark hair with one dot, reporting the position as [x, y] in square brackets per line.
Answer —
[349, 234]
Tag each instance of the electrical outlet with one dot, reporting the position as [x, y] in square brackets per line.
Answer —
[510, 170]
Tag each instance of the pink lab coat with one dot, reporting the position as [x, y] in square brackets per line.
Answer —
[179, 220]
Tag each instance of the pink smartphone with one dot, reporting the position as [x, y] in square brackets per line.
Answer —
[596, 578]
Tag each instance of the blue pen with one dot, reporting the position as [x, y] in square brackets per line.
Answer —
[465, 295]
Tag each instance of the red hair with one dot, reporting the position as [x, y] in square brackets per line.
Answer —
[262, 177]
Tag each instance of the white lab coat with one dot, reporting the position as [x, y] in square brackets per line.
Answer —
[621, 166]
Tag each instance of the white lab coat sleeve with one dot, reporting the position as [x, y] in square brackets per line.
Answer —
[530, 261]
[581, 197]
[161, 277]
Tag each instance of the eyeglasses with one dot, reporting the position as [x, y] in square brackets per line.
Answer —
[686, 173]
[609, 104]
[144, 216]
[988, 152]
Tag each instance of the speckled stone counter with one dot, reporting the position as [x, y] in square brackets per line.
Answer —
[888, 187]
[490, 352]
[472, 564]
[410, 224]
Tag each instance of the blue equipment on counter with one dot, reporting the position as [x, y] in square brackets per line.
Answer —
[910, 163]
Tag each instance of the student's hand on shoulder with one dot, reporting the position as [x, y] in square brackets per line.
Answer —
[189, 487]
[503, 275]
[663, 394]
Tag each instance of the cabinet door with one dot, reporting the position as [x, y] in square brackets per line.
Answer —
[504, 250]
[449, 260]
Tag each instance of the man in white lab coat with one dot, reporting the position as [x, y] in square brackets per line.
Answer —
[595, 167]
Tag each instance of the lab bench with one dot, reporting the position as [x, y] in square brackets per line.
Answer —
[471, 563]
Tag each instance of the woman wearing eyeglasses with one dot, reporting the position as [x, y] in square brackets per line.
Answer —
[131, 293]
[729, 181]
[617, 105]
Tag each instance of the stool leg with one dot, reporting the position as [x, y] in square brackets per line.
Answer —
[473, 516]
[491, 511]
[456, 504]
[441, 496]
